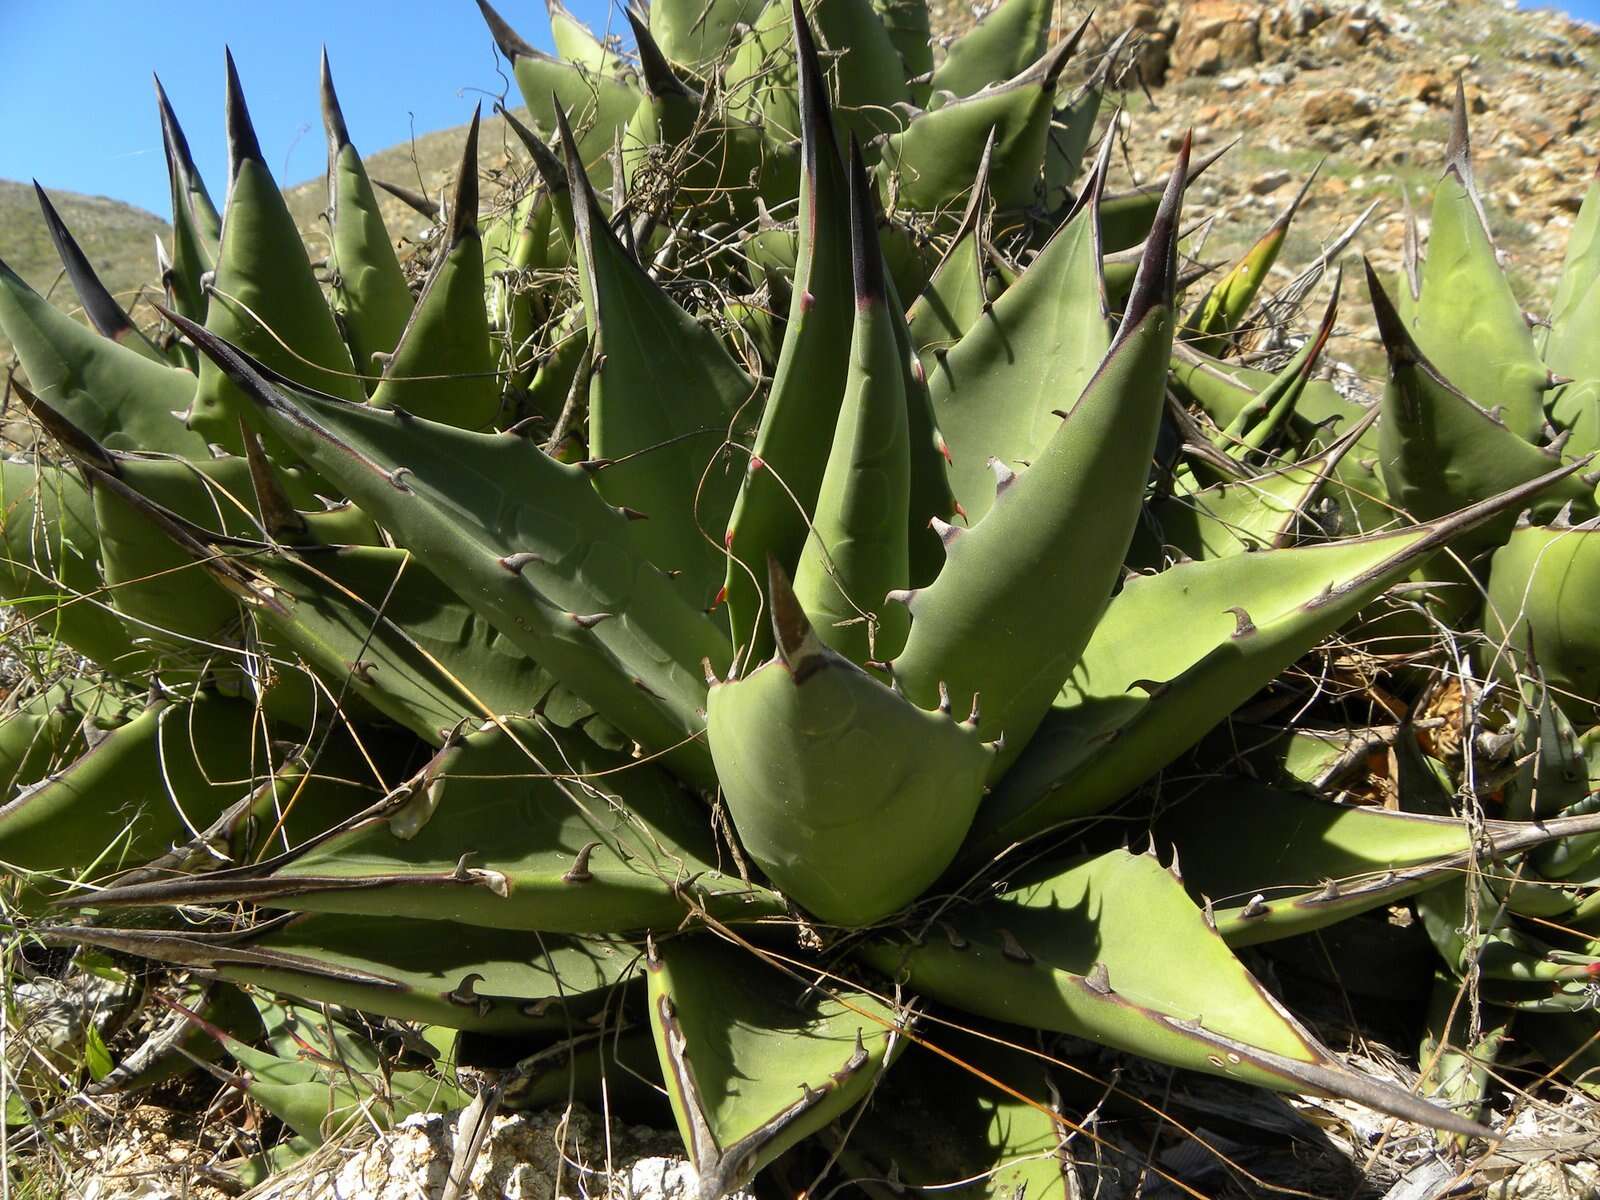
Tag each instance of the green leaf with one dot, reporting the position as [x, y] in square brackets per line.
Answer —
[999, 393]
[908, 26]
[1212, 322]
[522, 826]
[1021, 591]
[370, 297]
[327, 1079]
[523, 539]
[576, 43]
[792, 445]
[1260, 422]
[596, 102]
[664, 399]
[927, 167]
[117, 395]
[265, 298]
[857, 550]
[196, 228]
[1003, 44]
[719, 166]
[1440, 450]
[1569, 348]
[98, 304]
[50, 564]
[164, 775]
[850, 797]
[754, 1059]
[170, 601]
[1174, 653]
[1467, 319]
[1456, 1058]
[96, 1058]
[762, 81]
[373, 619]
[442, 973]
[444, 368]
[43, 733]
[1233, 517]
[1225, 389]
[958, 291]
[1292, 863]
[1539, 585]
[1094, 951]
[695, 34]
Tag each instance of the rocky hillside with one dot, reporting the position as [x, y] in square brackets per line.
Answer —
[1365, 88]
[118, 238]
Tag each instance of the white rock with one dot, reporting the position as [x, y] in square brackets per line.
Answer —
[528, 1156]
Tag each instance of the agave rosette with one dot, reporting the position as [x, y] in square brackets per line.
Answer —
[742, 533]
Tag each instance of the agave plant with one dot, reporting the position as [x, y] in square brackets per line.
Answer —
[657, 602]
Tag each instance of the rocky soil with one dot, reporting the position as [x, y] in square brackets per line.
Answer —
[1365, 89]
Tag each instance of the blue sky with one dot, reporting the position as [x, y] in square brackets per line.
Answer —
[78, 110]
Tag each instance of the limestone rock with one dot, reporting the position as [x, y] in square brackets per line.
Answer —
[528, 1156]
[1217, 35]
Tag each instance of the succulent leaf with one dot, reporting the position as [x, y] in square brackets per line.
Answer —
[50, 569]
[265, 297]
[857, 552]
[576, 43]
[1234, 516]
[958, 291]
[196, 227]
[1008, 40]
[799, 746]
[171, 769]
[521, 826]
[45, 732]
[794, 440]
[1293, 863]
[1537, 582]
[1213, 322]
[756, 1060]
[1440, 450]
[521, 537]
[664, 400]
[1144, 691]
[114, 393]
[430, 971]
[444, 367]
[1021, 591]
[696, 34]
[102, 309]
[763, 80]
[1467, 320]
[998, 393]
[1090, 951]
[597, 103]
[927, 167]
[370, 296]
[908, 26]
